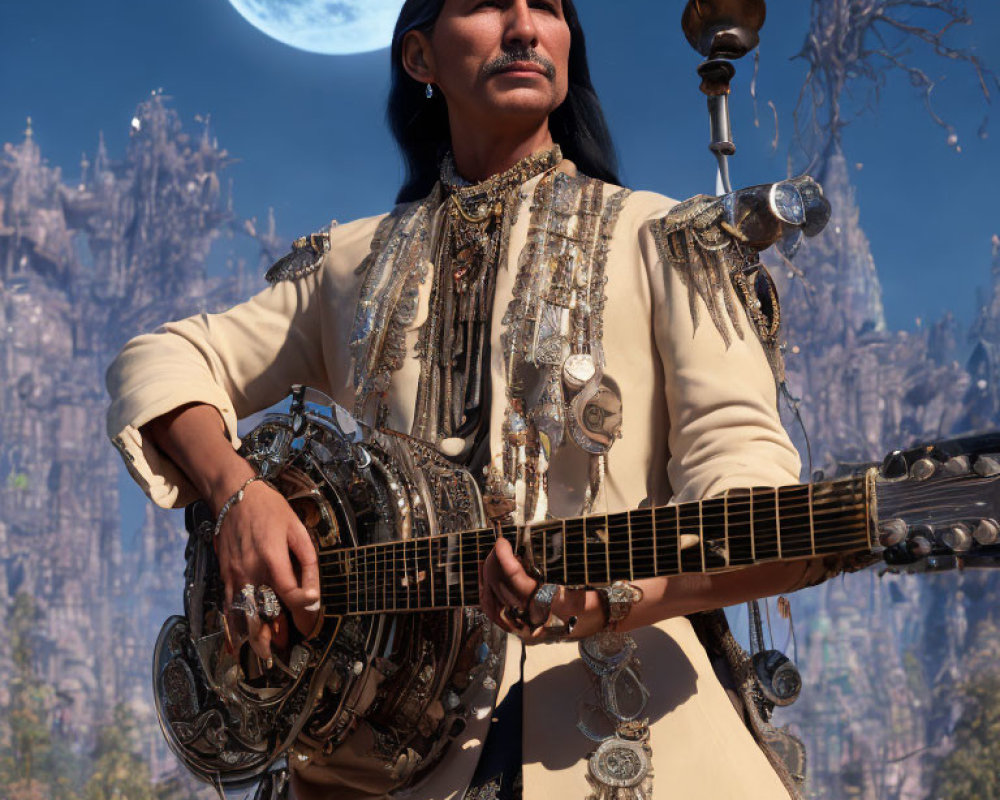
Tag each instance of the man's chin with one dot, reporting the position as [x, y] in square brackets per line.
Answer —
[521, 103]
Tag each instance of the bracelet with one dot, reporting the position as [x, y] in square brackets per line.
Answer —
[232, 501]
[617, 601]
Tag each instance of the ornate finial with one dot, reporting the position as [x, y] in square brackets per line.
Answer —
[722, 31]
[29, 131]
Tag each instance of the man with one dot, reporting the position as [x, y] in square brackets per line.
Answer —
[524, 314]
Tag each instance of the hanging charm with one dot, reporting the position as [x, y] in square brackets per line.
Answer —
[621, 768]
[429, 91]
[778, 679]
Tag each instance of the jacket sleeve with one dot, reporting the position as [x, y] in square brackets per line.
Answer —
[240, 361]
[724, 428]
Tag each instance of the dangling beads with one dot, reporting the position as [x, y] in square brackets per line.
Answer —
[429, 91]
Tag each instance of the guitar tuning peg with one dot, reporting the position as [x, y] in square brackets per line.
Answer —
[959, 465]
[987, 466]
[891, 532]
[919, 546]
[957, 538]
[894, 466]
[922, 469]
[987, 532]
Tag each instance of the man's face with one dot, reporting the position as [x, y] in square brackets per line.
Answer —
[497, 60]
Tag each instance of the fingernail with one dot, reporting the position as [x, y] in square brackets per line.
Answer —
[270, 662]
[313, 606]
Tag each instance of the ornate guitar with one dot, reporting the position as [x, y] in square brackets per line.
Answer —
[399, 530]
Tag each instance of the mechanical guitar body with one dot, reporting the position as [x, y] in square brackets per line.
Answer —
[382, 693]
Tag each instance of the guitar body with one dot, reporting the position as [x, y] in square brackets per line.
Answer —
[384, 693]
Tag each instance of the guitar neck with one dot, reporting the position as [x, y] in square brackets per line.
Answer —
[741, 529]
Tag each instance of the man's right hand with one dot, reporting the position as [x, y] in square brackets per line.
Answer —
[255, 546]
[259, 536]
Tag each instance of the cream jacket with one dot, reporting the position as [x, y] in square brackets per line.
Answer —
[699, 418]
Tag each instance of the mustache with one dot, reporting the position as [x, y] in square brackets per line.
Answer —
[519, 55]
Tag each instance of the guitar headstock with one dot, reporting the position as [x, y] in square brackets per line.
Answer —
[938, 505]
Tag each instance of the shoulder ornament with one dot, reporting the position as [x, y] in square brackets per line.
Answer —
[693, 239]
[304, 259]
[715, 261]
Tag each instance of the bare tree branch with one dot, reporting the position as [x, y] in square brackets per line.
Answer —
[851, 48]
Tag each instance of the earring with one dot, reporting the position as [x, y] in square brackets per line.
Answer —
[429, 91]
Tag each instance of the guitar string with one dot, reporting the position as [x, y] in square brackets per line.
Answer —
[428, 584]
[851, 487]
[642, 525]
[337, 592]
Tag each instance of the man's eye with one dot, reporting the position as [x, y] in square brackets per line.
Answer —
[546, 5]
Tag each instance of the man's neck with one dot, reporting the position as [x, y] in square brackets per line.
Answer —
[481, 154]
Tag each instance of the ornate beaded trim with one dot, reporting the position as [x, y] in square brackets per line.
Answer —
[692, 241]
[387, 306]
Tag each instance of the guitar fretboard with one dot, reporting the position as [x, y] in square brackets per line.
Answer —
[740, 529]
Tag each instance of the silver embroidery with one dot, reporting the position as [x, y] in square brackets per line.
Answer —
[692, 240]
[387, 306]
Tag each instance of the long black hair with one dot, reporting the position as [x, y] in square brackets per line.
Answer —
[420, 126]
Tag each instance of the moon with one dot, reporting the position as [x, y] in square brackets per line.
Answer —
[331, 27]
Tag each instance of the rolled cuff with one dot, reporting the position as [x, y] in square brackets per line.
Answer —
[162, 481]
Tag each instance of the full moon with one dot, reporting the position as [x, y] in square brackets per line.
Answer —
[331, 27]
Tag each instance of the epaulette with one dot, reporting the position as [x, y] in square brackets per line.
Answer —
[304, 259]
[708, 253]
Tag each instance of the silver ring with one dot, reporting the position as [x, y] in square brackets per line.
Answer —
[543, 599]
[268, 605]
[246, 601]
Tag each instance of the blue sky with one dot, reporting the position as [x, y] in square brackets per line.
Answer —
[309, 135]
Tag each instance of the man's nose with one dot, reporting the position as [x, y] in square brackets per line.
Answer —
[521, 30]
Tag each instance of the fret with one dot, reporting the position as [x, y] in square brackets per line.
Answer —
[765, 523]
[739, 527]
[418, 581]
[366, 580]
[795, 534]
[348, 567]
[444, 566]
[562, 553]
[596, 550]
[360, 559]
[470, 568]
[701, 534]
[631, 559]
[455, 548]
[652, 528]
[665, 524]
[438, 576]
[619, 548]
[688, 524]
[390, 575]
[777, 519]
[606, 539]
[537, 545]
[542, 565]
[430, 572]
[384, 562]
[713, 529]
[812, 523]
[404, 556]
[372, 578]
[725, 530]
[575, 552]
